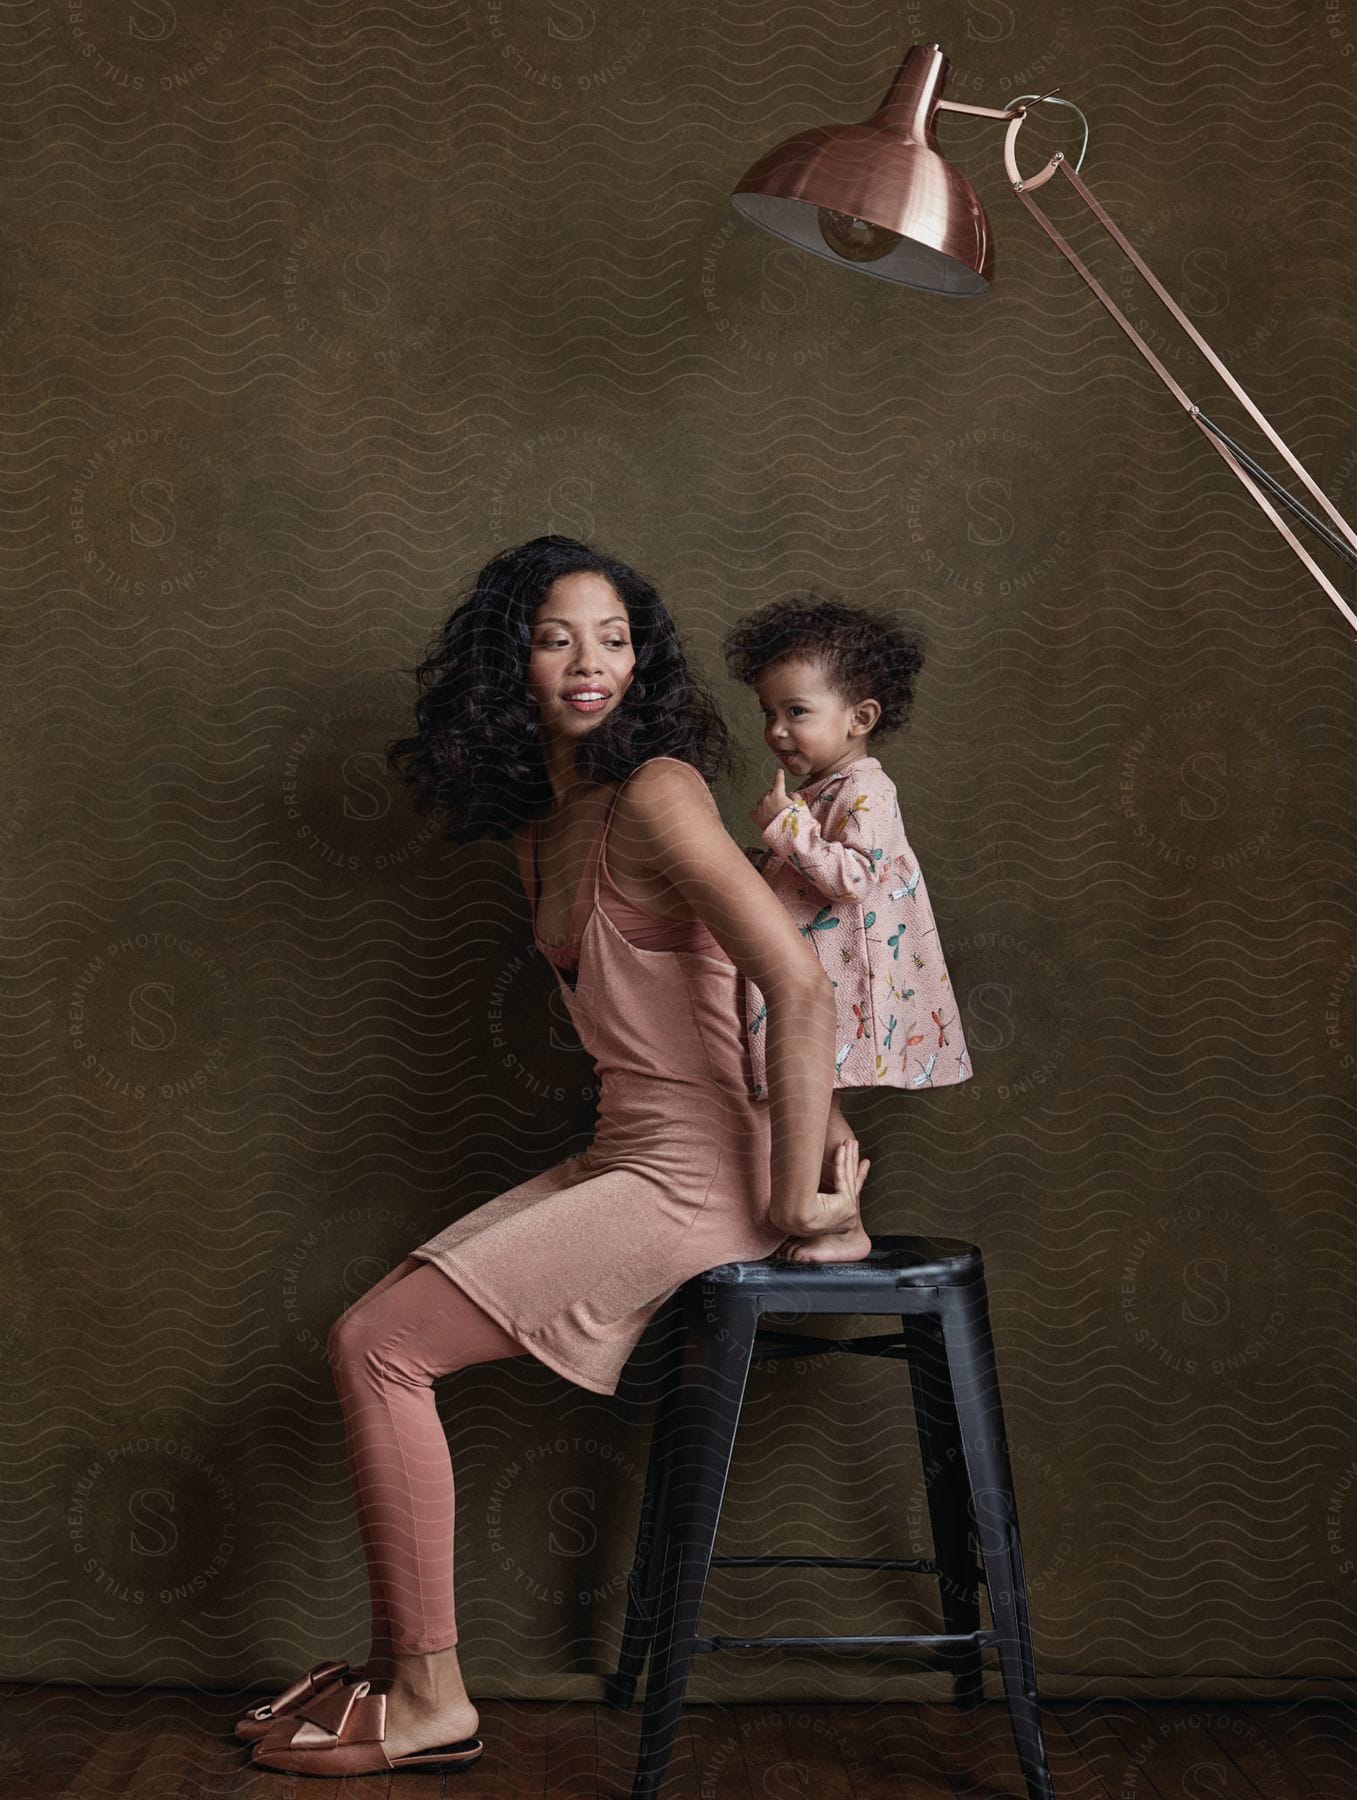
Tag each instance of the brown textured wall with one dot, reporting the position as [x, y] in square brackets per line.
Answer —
[306, 309]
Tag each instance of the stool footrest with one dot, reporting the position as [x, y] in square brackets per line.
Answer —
[770, 1345]
[942, 1641]
[920, 1565]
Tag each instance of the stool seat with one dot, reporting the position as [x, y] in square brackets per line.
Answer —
[935, 1287]
[896, 1261]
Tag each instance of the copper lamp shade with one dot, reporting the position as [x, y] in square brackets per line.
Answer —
[878, 196]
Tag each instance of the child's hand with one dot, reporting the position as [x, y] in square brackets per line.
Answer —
[772, 802]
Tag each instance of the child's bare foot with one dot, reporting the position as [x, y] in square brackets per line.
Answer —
[849, 1245]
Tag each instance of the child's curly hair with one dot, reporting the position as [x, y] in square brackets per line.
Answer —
[476, 760]
[862, 652]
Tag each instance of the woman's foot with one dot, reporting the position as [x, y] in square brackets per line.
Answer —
[426, 1701]
[414, 1724]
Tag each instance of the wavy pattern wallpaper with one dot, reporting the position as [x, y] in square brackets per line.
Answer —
[307, 308]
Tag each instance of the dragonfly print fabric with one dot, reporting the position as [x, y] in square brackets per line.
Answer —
[838, 859]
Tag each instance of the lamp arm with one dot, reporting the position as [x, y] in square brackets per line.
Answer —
[1081, 188]
[1014, 114]
[1213, 435]
[980, 112]
[1278, 492]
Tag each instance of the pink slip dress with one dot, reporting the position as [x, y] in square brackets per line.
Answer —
[573, 1263]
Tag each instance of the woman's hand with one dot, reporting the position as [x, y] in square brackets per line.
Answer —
[837, 1222]
[772, 802]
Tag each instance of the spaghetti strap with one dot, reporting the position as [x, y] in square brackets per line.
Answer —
[646, 928]
[590, 862]
[600, 844]
[602, 838]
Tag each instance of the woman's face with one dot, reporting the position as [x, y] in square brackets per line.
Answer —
[581, 646]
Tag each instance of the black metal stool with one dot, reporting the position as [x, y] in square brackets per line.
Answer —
[937, 1288]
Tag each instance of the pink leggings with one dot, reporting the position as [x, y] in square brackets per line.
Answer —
[385, 1353]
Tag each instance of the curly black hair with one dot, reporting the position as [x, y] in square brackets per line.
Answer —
[862, 652]
[476, 760]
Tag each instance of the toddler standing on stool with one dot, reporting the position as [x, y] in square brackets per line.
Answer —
[832, 680]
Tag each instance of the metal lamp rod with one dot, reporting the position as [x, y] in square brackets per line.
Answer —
[1187, 404]
[1022, 187]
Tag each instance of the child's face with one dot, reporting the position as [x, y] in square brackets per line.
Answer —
[806, 725]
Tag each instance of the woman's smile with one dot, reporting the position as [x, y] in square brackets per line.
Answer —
[588, 700]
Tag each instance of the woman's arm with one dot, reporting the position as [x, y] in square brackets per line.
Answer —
[672, 824]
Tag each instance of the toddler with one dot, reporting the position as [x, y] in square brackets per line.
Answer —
[832, 680]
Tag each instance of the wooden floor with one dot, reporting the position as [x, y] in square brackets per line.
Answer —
[71, 1743]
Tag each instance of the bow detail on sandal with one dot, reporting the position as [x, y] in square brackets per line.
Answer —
[261, 1719]
[342, 1731]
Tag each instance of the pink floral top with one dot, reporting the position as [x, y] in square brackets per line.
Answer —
[838, 859]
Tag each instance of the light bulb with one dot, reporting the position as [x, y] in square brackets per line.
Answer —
[856, 240]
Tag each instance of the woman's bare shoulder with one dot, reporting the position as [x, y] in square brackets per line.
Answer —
[664, 791]
[680, 840]
[670, 775]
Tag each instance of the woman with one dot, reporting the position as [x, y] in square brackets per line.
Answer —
[557, 708]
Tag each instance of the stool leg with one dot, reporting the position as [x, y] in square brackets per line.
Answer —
[717, 1350]
[948, 1490]
[975, 1386]
[643, 1582]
